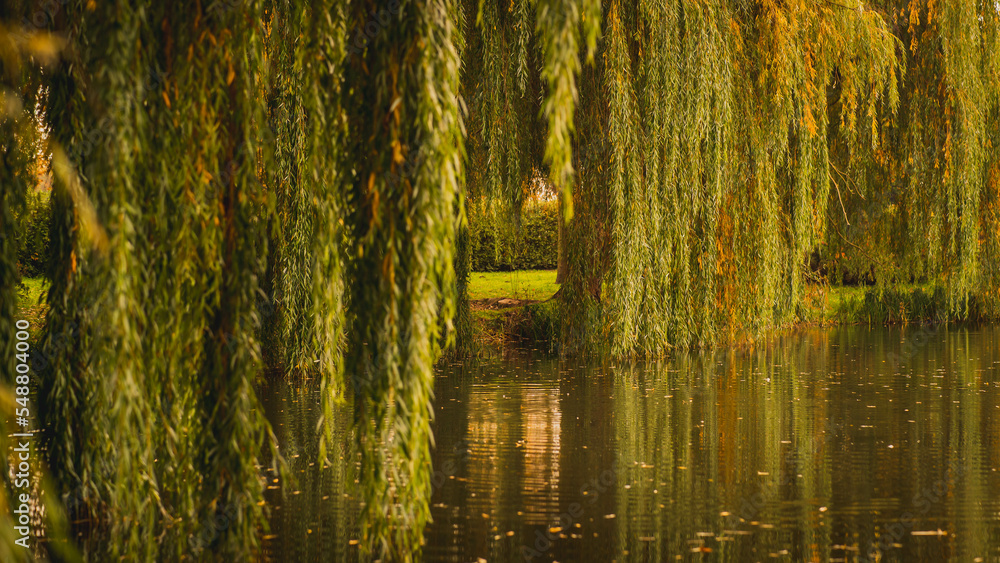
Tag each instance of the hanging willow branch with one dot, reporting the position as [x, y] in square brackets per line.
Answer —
[403, 107]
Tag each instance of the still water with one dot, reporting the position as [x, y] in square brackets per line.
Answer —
[847, 444]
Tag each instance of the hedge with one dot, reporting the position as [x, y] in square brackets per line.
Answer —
[534, 244]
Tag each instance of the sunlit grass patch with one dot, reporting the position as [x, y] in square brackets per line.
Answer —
[536, 285]
[905, 303]
[31, 301]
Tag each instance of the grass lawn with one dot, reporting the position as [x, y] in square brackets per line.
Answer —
[535, 285]
[34, 294]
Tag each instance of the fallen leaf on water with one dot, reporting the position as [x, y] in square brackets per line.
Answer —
[938, 532]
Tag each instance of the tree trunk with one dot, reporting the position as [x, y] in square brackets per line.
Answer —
[561, 263]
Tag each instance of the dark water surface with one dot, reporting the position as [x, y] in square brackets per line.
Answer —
[828, 444]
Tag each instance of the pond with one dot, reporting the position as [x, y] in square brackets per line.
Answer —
[849, 444]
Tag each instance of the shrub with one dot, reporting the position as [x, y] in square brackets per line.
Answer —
[536, 323]
[33, 235]
[533, 245]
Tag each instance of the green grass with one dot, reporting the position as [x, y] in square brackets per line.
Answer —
[897, 304]
[841, 299]
[35, 292]
[537, 285]
[31, 302]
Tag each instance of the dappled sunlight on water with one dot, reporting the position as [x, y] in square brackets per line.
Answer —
[829, 444]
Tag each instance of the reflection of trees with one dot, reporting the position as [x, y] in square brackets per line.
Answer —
[510, 457]
[736, 453]
[315, 516]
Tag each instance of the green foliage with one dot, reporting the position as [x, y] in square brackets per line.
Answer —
[700, 156]
[151, 336]
[306, 48]
[559, 24]
[896, 306]
[23, 53]
[905, 304]
[32, 292]
[19, 53]
[33, 235]
[537, 323]
[214, 190]
[464, 344]
[530, 244]
[403, 107]
[924, 205]
[291, 176]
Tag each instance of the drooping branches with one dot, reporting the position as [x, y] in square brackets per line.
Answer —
[920, 209]
[152, 337]
[701, 137]
[403, 112]
[294, 175]
[559, 25]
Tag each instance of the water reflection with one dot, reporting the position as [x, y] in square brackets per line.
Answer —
[829, 444]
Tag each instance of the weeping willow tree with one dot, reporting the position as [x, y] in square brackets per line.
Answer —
[235, 179]
[306, 48]
[700, 168]
[151, 333]
[217, 167]
[406, 149]
[924, 206]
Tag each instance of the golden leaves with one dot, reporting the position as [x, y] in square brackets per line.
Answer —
[397, 152]
[45, 47]
[86, 215]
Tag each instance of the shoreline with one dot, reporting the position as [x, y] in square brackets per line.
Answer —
[536, 323]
